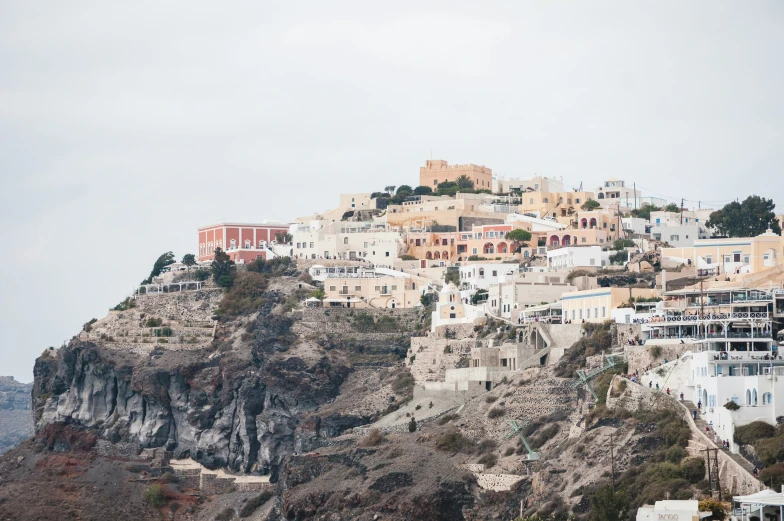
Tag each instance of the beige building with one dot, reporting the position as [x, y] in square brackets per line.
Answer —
[595, 305]
[553, 204]
[439, 171]
[378, 288]
[421, 211]
[734, 255]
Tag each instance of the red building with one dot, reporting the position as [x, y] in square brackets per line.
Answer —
[242, 242]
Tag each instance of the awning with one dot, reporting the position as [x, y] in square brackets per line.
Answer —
[764, 497]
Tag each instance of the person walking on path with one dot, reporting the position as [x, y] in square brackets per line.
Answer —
[681, 396]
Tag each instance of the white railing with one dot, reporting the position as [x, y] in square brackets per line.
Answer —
[755, 315]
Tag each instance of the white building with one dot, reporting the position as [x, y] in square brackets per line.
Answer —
[571, 257]
[504, 185]
[734, 354]
[451, 308]
[615, 194]
[636, 225]
[476, 276]
[672, 510]
[679, 236]
[374, 243]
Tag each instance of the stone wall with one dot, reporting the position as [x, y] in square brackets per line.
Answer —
[626, 332]
[214, 484]
[623, 394]
[562, 335]
[640, 357]
[497, 482]
[339, 320]
[120, 450]
[430, 359]
[455, 331]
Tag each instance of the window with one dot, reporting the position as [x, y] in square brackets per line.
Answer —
[596, 312]
[377, 289]
[736, 256]
[604, 311]
[475, 250]
[387, 253]
[588, 313]
[332, 288]
[746, 258]
[298, 245]
[709, 259]
[345, 240]
[365, 244]
[311, 244]
[435, 182]
[247, 245]
[583, 239]
[233, 244]
[394, 287]
[357, 288]
[572, 314]
[577, 201]
[727, 258]
[675, 237]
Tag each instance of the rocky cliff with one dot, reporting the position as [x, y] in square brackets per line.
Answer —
[15, 420]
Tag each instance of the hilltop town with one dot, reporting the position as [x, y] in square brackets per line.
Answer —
[467, 347]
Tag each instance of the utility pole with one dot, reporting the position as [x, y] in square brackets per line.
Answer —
[635, 195]
[681, 211]
[715, 466]
[612, 464]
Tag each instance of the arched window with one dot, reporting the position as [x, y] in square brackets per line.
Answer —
[754, 397]
[261, 244]
[345, 240]
[247, 244]
[545, 200]
[560, 200]
[526, 254]
[767, 398]
[233, 244]
[748, 397]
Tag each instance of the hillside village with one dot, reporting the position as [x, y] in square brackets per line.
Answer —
[508, 323]
[699, 311]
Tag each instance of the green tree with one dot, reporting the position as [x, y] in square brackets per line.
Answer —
[404, 190]
[189, 259]
[519, 237]
[155, 496]
[389, 189]
[672, 207]
[609, 505]
[645, 211]
[412, 425]
[319, 294]
[163, 261]
[447, 188]
[423, 190]
[747, 219]
[464, 182]
[223, 269]
[590, 205]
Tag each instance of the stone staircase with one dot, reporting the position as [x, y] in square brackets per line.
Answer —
[702, 425]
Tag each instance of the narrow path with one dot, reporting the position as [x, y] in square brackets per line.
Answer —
[702, 425]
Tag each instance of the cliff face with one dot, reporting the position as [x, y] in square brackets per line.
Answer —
[15, 420]
[234, 407]
[244, 402]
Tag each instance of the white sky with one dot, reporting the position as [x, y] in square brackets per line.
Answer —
[124, 126]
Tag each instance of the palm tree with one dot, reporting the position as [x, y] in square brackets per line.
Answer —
[464, 182]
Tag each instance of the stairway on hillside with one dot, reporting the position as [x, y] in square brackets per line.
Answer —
[703, 425]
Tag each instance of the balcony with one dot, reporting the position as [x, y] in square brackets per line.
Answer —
[711, 317]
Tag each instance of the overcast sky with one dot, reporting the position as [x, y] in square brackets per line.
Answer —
[126, 125]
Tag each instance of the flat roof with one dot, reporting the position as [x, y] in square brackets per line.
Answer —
[254, 225]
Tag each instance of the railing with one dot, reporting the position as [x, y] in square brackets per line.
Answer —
[759, 315]
[745, 356]
[762, 335]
